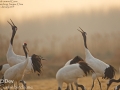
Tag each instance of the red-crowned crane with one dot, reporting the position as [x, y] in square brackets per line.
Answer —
[16, 72]
[70, 74]
[101, 69]
[4, 67]
[76, 59]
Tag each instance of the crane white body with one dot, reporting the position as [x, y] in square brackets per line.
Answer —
[74, 61]
[4, 67]
[16, 72]
[70, 73]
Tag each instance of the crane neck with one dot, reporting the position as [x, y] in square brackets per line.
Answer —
[25, 52]
[87, 52]
[13, 34]
[85, 43]
[26, 61]
[27, 57]
[10, 51]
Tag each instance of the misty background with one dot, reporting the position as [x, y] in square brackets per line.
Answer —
[56, 38]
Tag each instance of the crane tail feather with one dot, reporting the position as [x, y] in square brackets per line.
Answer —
[85, 67]
[36, 62]
[109, 72]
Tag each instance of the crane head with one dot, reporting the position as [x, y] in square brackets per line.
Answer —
[83, 33]
[12, 25]
[25, 49]
[25, 45]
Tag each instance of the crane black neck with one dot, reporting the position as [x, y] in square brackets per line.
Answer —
[13, 34]
[25, 51]
[85, 44]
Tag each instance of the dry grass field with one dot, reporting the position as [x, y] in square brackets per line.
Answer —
[51, 84]
[57, 55]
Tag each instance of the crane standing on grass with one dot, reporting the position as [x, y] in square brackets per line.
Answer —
[75, 60]
[101, 69]
[71, 73]
[16, 72]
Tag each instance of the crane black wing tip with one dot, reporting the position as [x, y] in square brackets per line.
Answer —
[109, 72]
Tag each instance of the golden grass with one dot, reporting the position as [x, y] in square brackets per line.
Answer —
[51, 84]
[105, 47]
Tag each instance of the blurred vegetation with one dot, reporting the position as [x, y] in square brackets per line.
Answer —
[57, 52]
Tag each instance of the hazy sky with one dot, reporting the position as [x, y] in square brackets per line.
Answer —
[43, 8]
[49, 18]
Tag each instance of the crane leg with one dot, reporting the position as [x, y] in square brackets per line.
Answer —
[24, 84]
[72, 87]
[81, 86]
[76, 85]
[92, 85]
[99, 84]
[67, 87]
[17, 85]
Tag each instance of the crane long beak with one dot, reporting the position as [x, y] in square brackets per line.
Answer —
[12, 22]
[9, 23]
[79, 30]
